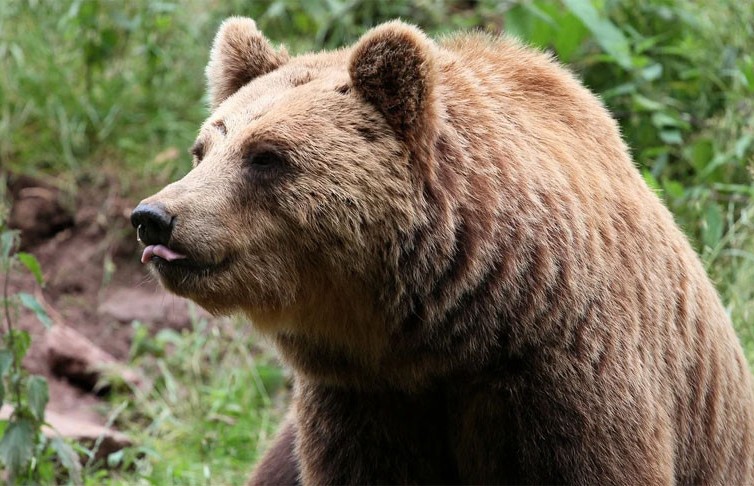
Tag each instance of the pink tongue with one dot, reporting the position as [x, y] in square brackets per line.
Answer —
[161, 251]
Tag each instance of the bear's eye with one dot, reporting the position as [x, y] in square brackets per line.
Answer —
[264, 160]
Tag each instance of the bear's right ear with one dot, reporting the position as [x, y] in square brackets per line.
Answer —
[393, 68]
[239, 54]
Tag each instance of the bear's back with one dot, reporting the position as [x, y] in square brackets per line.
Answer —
[573, 251]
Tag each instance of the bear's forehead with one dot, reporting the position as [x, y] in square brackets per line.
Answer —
[314, 74]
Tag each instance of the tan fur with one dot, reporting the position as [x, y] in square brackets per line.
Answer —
[463, 267]
[239, 54]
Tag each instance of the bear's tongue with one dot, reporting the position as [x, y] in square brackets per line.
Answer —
[161, 251]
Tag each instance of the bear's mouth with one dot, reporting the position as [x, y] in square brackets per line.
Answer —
[173, 265]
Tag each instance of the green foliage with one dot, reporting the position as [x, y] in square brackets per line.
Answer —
[17, 445]
[24, 451]
[31, 303]
[31, 264]
[328, 24]
[680, 85]
[731, 264]
[90, 83]
[37, 396]
[68, 458]
[208, 413]
[605, 33]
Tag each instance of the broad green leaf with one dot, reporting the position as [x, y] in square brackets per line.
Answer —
[518, 22]
[643, 103]
[720, 158]
[6, 360]
[671, 137]
[651, 181]
[31, 303]
[531, 21]
[674, 189]
[68, 458]
[569, 37]
[114, 459]
[712, 227]
[746, 68]
[742, 145]
[539, 11]
[7, 240]
[31, 262]
[17, 445]
[541, 32]
[38, 395]
[701, 153]
[652, 72]
[607, 35]
[662, 119]
[21, 343]
[620, 90]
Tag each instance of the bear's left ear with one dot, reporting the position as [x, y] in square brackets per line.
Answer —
[239, 54]
[392, 67]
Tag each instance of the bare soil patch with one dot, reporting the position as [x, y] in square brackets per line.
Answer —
[95, 287]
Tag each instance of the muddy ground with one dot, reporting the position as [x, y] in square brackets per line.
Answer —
[95, 287]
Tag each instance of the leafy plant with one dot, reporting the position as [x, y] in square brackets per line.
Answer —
[24, 450]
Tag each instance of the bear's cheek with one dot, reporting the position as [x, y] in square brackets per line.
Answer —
[245, 282]
[245, 258]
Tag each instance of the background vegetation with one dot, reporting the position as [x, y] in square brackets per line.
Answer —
[93, 88]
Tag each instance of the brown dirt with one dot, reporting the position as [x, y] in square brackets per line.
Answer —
[94, 281]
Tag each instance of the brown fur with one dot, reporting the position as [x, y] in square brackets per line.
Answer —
[458, 259]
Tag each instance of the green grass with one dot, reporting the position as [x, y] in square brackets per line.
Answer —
[731, 266]
[93, 89]
[90, 84]
[216, 400]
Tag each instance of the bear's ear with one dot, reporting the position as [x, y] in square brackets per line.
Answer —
[239, 54]
[392, 67]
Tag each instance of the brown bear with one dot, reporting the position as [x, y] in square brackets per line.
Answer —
[451, 248]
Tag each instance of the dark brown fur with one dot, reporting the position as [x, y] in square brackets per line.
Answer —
[462, 266]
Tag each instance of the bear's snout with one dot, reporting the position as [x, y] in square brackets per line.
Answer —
[153, 223]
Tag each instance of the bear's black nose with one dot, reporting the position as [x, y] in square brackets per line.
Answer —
[153, 224]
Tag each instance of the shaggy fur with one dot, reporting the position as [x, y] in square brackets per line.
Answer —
[451, 248]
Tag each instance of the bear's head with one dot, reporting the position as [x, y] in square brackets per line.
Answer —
[306, 175]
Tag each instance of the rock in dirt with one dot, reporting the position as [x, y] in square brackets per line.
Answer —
[90, 434]
[154, 306]
[73, 356]
[37, 211]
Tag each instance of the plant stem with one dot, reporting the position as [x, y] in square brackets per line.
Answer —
[11, 337]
